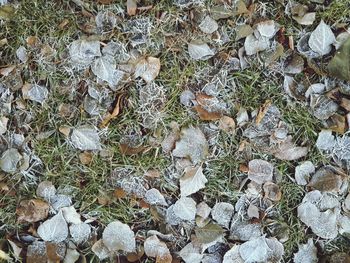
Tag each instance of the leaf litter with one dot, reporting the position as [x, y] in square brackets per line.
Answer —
[120, 73]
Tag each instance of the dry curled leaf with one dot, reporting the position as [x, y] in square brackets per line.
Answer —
[32, 210]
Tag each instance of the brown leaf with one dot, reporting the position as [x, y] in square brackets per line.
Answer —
[147, 68]
[135, 256]
[206, 115]
[272, 191]
[262, 111]
[55, 251]
[131, 7]
[337, 123]
[104, 2]
[32, 210]
[6, 71]
[128, 150]
[85, 157]
[325, 179]
[119, 193]
[288, 151]
[115, 112]
[227, 124]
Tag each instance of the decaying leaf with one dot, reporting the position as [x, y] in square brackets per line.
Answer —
[82, 52]
[131, 6]
[129, 150]
[36, 253]
[303, 172]
[288, 151]
[260, 171]
[222, 213]
[326, 180]
[321, 39]
[147, 68]
[191, 253]
[199, 50]
[35, 92]
[54, 229]
[209, 235]
[339, 66]
[157, 249]
[192, 181]
[9, 160]
[208, 25]
[85, 138]
[118, 236]
[307, 253]
[243, 31]
[185, 209]
[192, 145]
[154, 197]
[272, 191]
[32, 210]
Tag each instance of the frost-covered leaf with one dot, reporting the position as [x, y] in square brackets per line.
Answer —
[72, 256]
[32, 210]
[85, 138]
[9, 160]
[323, 223]
[209, 235]
[82, 52]
[255, 250]
[208, 25]
[304, 48]
[199, 50]
[3, 124]
[147, 68]
[326, 180]
[267, 28]
[295, 65]
[192, 144]
[191, 253]
[22, 55]
[339, 66]
[46, 190]
[171, 218]
[157, 249]
[71, 215]
[154, 197]
[54, 229]
[321, 39]
[233, 256]
[260, 171]
[325, 140]
[306, 19]
[303, 172]
[185, 208]
[307, 253]
[119, 236]
[35, 92]
[322, 106]
[242, 229]
[243, 31]
[222, 213]
[80, 232]
[36, 252]
[272, 191]
[288, 151]
[192, 181]
[105, 69]
[100, 250]
[254, 45]
[59, 200]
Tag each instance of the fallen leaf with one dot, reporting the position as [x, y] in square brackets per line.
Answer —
[109, 116]
[288, 151]
[7, 70]
[339, 66]
[118, 236]
[147, 68]
[9, 160]
[100, 250]
[157, 249]
[82, 52]
[306, 253]
[185, 209]
[303, 172]
[154, 197]
[54, 229]
[267, 28]
[222, 213]
[295, 65]
[209, 235]
[325, 140]
[85, 157]
[208, 25]
[46, 190]
[35, 92]
[80, 232]
[243, 31]
[321, 39]
[72, 256]
[32, 210]
[191, 253]
[272, 191]
[260, 171]
[85, 138]
[3, 124]
[307, 19]
[253, 45]
[36, 253]
[192, 144]
[192, 181]
[199, 50]
[128, 150]
[206, 115]
[233, 255]
[131, 6]
[326, 180]
[55, 251]
[71, 215]
[242, 229]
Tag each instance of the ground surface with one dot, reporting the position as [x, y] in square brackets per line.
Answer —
[190, 98]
